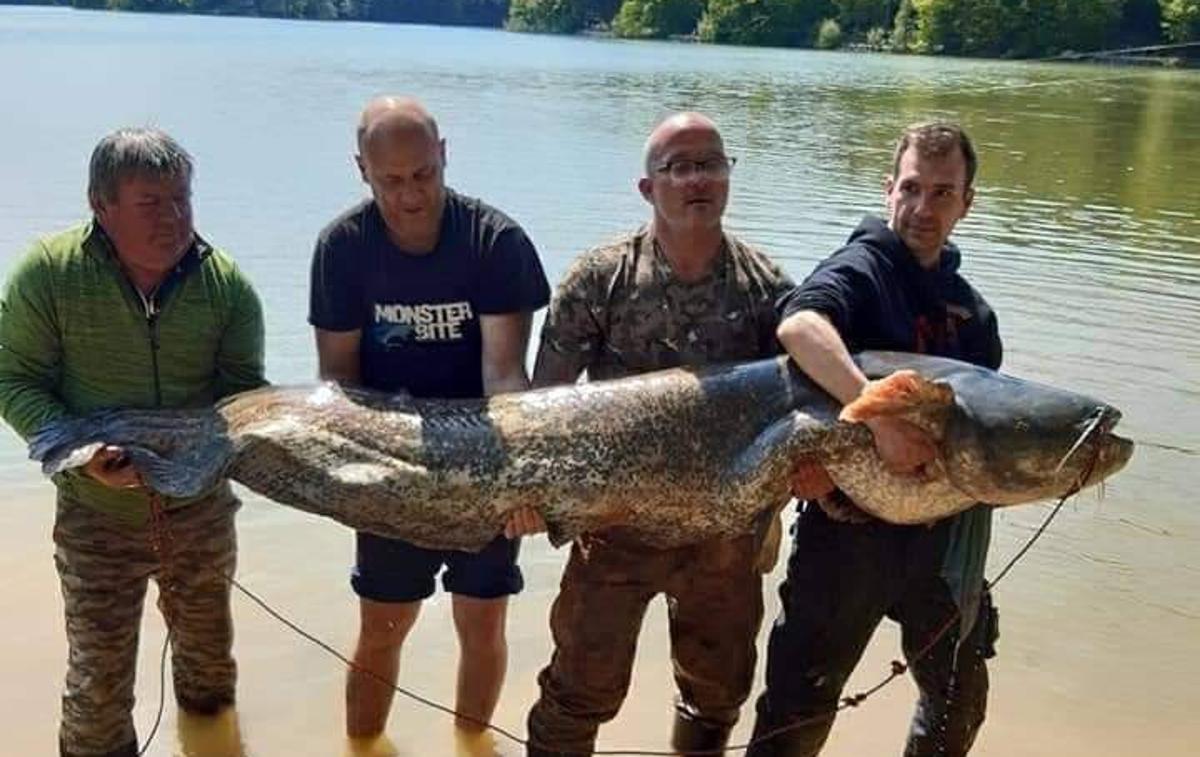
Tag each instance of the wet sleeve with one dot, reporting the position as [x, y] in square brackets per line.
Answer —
[571, 336]
[841, 288]
[512, 278]
[335, 287]
[240, 354]
[30, 347]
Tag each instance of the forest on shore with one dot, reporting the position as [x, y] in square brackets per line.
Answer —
[986, 28]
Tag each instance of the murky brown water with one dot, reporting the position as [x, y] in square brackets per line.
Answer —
[1086, 238]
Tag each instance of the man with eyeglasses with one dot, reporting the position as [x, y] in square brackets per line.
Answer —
[680, 291]
[424, 290]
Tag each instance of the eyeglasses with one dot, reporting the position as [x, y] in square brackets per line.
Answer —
[709, 168]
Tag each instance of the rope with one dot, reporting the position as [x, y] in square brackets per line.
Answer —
[161, 542]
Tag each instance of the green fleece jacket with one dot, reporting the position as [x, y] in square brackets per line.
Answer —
[77, 336]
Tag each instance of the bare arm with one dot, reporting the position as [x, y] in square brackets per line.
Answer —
[338, 356]
[553, 367]
[505, 341]
[818, 349]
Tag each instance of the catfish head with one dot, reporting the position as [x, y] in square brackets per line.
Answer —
[1001, 440]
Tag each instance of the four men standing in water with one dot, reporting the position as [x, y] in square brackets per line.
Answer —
[428, 291]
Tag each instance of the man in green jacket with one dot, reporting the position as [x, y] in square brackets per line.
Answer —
[132, 309]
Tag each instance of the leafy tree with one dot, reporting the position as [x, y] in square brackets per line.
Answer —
[1141, 23]
[272, 8]
[937, 26]
[601, 12]
[1014, 27]
[657, 18]
[475, 12]
[763, 22]
[904, 28]
[829, 34]
[877, 38]
[559, 16]
[1181, 20]
[856, 17]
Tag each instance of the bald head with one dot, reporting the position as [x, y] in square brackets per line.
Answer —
[402, 158]
[395, 117]
[671, 129]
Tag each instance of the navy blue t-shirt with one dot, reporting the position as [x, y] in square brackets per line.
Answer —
[419, 314]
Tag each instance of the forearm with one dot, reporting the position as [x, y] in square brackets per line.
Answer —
[505, 379]
[338, 356]
[349, 375]
[554, 368]
[818, 350]
[505, 340]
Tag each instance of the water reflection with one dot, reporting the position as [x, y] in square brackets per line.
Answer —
[210, 736]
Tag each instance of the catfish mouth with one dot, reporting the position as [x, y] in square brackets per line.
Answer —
[1113, 455]
[1102, 452]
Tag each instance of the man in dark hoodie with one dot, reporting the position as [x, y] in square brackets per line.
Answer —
[894, 286]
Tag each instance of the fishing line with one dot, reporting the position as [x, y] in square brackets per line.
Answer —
[898, 668]
[162, 694]
[160, 542]
[1168, 447]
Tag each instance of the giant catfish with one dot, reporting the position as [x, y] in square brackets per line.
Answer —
[676, 456]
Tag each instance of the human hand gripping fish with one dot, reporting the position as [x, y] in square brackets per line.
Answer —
[112, 467]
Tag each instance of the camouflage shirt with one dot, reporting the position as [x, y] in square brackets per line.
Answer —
[620, 310]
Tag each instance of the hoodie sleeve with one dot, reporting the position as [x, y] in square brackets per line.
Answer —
[843, 288]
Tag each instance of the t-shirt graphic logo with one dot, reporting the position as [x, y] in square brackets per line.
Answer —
[398, 324]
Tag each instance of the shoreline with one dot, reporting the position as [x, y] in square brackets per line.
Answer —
[1124, 57]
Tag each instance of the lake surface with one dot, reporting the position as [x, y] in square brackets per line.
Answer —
[1085, 237]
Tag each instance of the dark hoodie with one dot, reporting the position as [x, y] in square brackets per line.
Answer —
[879, 298]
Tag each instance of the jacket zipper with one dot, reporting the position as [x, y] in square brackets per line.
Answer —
[152, 326]
[151, 310]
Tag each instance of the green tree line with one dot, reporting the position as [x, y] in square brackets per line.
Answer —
[996, 28]
[445, 12]
[993, 28]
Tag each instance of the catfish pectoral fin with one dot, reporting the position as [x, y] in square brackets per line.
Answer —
[901, 393]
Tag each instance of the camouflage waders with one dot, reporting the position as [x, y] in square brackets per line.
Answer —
[714, 605]
[621, 311]
[103, 565]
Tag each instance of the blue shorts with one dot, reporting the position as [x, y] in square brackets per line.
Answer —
[391, 570]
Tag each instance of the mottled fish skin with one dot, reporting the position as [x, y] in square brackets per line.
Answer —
[675, 456]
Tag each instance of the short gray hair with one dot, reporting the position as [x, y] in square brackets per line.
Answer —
[134, 152]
